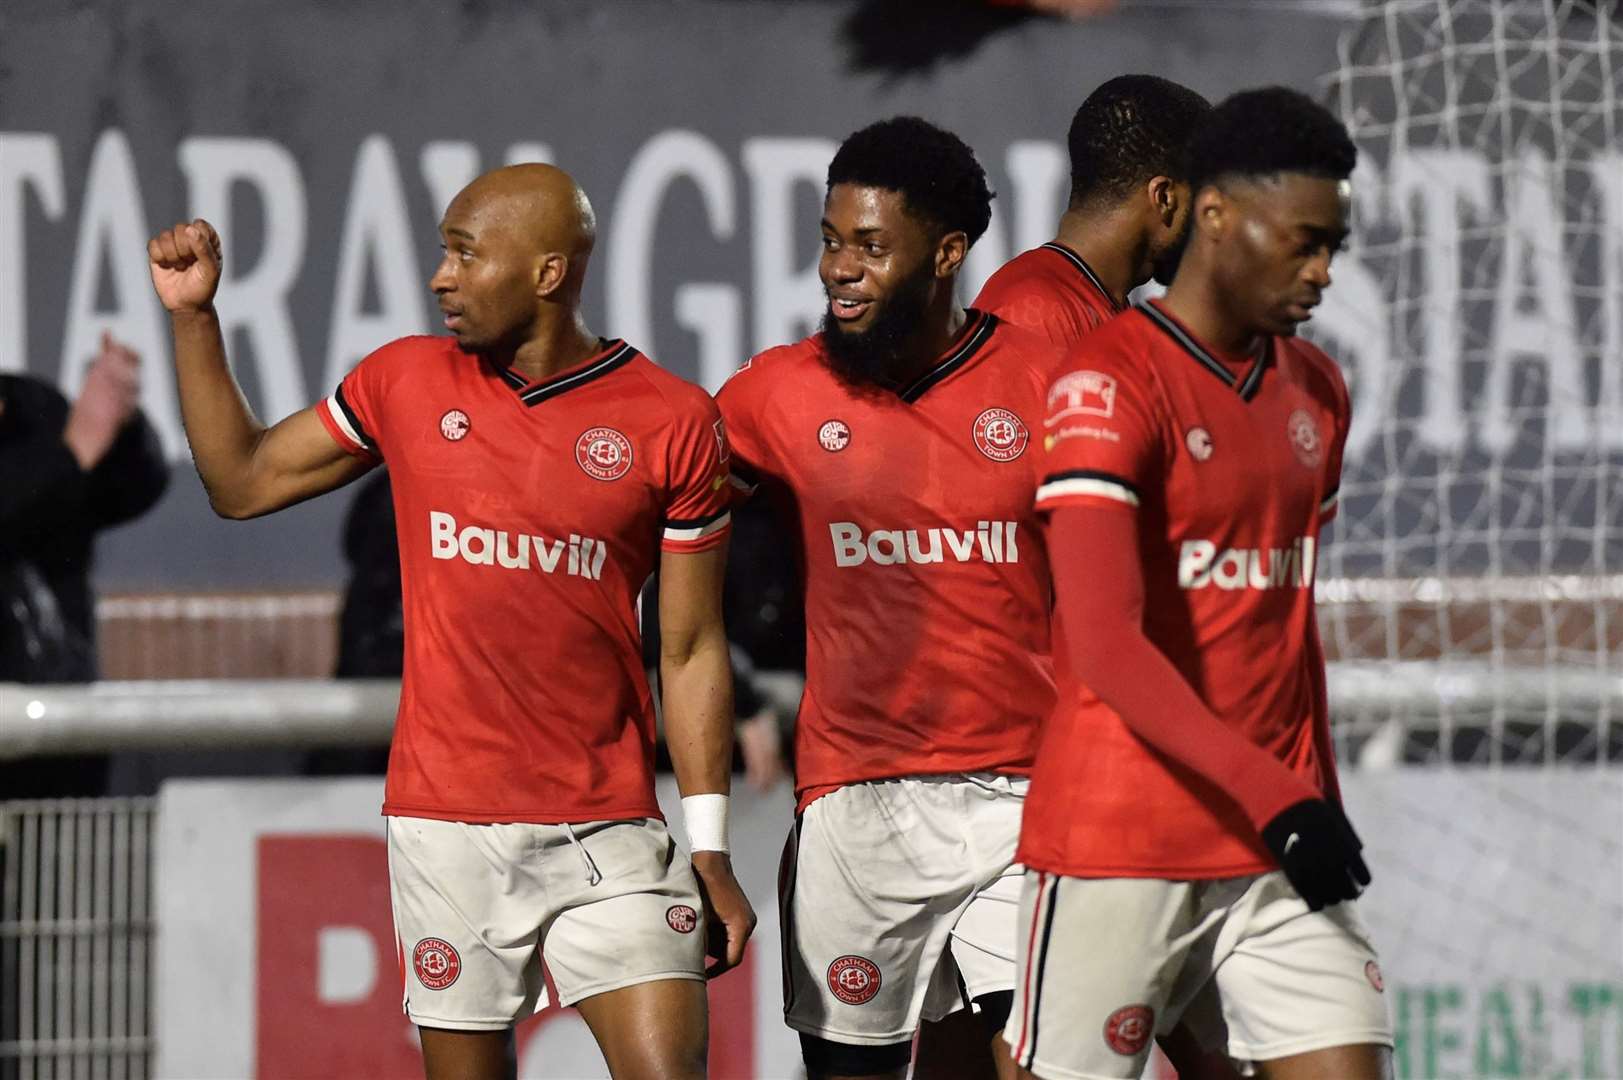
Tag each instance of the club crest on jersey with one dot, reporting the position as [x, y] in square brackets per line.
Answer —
[1129, 1028]
[682, 918]
[834, 436]
[1199, 441]
[853, 979]
[454, 425]
[1000, 435]
[1304, 436]
[603, 453]
[436, 963]
[1081, 393]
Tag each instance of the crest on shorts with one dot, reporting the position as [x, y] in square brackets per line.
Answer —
[834, 436]
[1372, 972]
[603, 453]
[1129, 1028]
[853, 979]
[1000, 435]
[454, 425]
[682, 918]
[436, 963]
[1304, 436]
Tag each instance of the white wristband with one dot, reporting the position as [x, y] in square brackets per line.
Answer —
[706, 819]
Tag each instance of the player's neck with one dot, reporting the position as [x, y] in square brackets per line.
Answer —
[1195, 300]
[1107, 244]
[556, 346]
[943, 322]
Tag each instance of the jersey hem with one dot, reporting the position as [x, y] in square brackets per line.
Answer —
[805, 796]
[524, 817]
[1153, 873]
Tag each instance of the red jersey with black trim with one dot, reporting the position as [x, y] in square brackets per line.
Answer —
[1049, 290]
[1232, 466]
[529, 517]
[927, 591]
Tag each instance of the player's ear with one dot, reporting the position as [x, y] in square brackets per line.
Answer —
[950, 252]
[551, 273]
[1212, 210]
[1166, 195]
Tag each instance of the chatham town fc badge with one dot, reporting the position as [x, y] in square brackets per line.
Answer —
[853, 979]
[603, 453]
[1304, 436]
[1000, 435]
[682, 919]
[1129, 1028]
[436, 963]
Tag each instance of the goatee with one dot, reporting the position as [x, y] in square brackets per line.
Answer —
[879, 358]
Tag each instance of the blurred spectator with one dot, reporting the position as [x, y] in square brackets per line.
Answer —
[371, 627]
[71, 471]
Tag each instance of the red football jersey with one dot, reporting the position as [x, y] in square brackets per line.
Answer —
[1048, 290]
[1232, 467]
[529, 517]
[927, 592]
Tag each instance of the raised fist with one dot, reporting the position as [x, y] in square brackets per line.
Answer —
[185, 265]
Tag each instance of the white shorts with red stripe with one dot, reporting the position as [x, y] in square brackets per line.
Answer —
[1106, 964]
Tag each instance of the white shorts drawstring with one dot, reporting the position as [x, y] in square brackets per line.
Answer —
[593, 875]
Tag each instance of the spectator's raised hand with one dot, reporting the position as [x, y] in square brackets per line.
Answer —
[111, 392]
[185, 264]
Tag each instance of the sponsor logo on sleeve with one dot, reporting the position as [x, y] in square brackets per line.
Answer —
[454, 425]
[722, 450]
[1000, 435]
[1081, 393]
[436, 963]
[853, 979]
[603, 453]
[1129, 1028]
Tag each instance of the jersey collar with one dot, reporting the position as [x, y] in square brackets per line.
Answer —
[615, 354]
[1246, 386]
[1084, 269]
[977, 330]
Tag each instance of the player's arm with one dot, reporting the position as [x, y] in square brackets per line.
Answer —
[247, 468]
[696, 679]
[1099, 593]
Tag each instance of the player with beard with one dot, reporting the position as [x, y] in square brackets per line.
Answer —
[539, 474]
[1187, 853]
[1128, 213]
[895, 441]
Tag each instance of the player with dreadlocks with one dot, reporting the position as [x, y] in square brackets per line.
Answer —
[896, 443]
[1187, 854]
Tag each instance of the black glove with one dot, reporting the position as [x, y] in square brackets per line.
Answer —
[1318, 850]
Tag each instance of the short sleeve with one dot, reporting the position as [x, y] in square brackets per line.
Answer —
[697, 499]
[1331, 502]
[738, 400]
[1101, 439]
[352, 415]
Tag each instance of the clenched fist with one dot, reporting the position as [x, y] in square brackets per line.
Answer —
[185, 265]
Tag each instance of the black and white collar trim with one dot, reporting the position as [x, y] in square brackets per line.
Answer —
[1084, 269]
[616, 354]
[1246, 387]
[980, 329]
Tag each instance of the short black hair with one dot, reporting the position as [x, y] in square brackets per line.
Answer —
[935, 171]
[1131, 129]
[1265, 132]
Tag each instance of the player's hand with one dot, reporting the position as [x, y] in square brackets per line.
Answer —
[185, 264]
[1318, 850]
[109, 397]
[729, 919]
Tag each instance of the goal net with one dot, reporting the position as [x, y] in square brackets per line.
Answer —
[1471, 595]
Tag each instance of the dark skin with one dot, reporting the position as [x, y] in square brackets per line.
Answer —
[517, 242]
[872, 243]
[1257, 264]
[1122, 239]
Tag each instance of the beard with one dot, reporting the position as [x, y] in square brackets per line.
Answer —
[879, 358]
[1165, 265]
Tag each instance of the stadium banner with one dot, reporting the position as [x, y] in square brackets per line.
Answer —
[325, 140]
[1494, 907]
